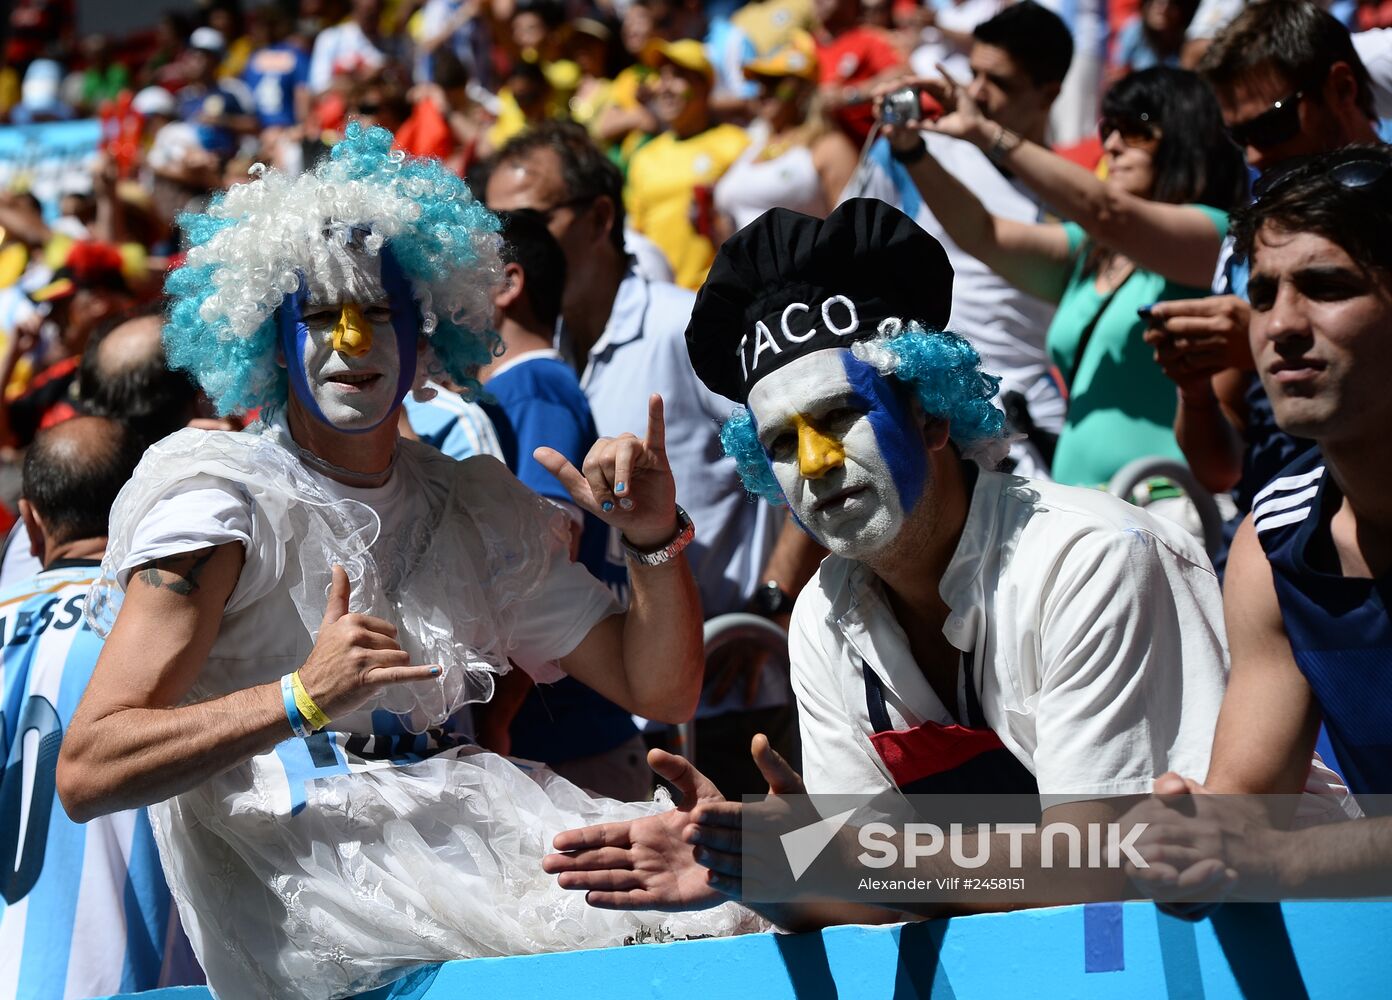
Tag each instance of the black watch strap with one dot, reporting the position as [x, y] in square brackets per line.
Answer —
[771, 600]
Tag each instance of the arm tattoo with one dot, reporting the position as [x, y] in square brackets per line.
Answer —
[177, 574]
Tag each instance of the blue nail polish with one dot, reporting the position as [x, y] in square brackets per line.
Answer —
[618, 487]
[434, 671]
[626, 503]
[607, 506]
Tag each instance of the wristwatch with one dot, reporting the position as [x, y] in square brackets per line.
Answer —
[771, 600]
[686, 531]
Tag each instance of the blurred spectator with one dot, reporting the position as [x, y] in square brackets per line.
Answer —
[671, 179]
[37, 27]
[86, 911]
[446, 121]
[1154, 37]
[525, 99]
[853, 58]
[225, 17]
[537, 402]
[277, 71]
[100, 76]
[947, 35]
[626, 120]
[222, 109]
[589, 45]
[1018, 60]
[87, 289]
[1151, 231]
[39, 99]
[769, 24]
[349, 48]
[796, 158]
[456, 27]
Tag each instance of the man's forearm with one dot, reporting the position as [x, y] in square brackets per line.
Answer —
[1341, 860]
[1210, 444]
[136, 756]
[662, 643]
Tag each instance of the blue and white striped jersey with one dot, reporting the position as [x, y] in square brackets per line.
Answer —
[84, 909]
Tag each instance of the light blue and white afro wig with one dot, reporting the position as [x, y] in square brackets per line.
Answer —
[252, 246]
[941, 369]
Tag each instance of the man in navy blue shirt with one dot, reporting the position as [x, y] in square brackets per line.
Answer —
[1309, 579]
[220, 108]
[537, 403]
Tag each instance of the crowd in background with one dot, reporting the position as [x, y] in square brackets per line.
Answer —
[1079, 165]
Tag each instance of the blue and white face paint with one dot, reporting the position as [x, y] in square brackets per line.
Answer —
[844, 447]
[350, 342]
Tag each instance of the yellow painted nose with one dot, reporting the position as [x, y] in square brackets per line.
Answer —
[818, 453]
[352, 334]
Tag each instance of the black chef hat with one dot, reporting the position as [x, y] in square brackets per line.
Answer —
[788, 284]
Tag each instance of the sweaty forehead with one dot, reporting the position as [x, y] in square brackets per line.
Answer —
[801, 386]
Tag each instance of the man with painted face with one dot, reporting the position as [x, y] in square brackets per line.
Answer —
[971, 631]
[295, 614]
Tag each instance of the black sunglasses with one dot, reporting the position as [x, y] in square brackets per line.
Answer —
[1136, 130]
[1360, 174]
[1277, 124]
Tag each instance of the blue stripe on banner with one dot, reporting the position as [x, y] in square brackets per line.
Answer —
[1103, 944]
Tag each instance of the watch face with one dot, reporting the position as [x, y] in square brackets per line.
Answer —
[769, 599]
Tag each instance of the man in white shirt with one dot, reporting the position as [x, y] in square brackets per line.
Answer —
[1018, 61]
[972, 632]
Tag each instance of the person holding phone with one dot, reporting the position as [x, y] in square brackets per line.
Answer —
[1151, 231]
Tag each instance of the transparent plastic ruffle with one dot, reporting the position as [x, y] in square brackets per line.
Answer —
[451, 586]
[346, 882]
[385, 869]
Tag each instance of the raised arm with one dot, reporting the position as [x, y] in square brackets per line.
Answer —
[132, 743]
[1032, 257]
[1179, 242]
[648, 660]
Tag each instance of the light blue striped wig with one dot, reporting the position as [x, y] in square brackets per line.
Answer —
[942, 370]
[257, 242]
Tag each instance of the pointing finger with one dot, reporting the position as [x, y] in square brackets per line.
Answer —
[656, 439]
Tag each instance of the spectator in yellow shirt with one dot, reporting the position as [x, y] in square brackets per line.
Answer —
[671, 179]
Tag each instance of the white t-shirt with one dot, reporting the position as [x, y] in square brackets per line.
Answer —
[1096, 631]
[341, 46]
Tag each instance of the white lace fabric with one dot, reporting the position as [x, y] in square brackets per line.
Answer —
[323, 878]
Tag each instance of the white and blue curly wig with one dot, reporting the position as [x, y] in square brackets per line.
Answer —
[255, 243]
[943, 372]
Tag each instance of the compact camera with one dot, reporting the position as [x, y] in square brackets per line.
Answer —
[901, 106]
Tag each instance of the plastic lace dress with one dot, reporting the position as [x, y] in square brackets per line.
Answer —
[331, 865]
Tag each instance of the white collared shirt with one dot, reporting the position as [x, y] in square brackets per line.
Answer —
[1096, 632]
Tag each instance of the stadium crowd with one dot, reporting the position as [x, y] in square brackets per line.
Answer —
[1158, 231]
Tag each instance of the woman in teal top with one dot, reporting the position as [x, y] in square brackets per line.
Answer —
[1152, 230]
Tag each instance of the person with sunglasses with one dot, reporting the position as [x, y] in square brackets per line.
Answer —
[1290, 83]
[1151, 231]
[1306, 597]
[796, 157]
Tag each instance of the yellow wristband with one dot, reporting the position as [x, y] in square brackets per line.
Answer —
[313, 714]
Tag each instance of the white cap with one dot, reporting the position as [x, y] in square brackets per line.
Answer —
[209, 40]
[155, 101]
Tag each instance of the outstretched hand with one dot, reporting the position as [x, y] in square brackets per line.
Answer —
[625, 481]
[961, 118]
[641, 864]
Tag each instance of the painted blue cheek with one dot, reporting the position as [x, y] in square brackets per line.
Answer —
[895, 433]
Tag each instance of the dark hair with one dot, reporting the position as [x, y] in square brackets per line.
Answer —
[1196, 160]
[585, 171]
[528, 243]
[146, 394]
[73, 483]
[1309, 199]
[446, 69]
[1034, 37]
[1295, 39]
